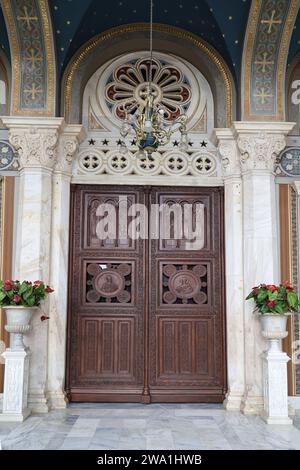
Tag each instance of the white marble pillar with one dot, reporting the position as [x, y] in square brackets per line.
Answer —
[15, 385]
[67, 148]
[229, 154]
[36, 140]
[259, 144]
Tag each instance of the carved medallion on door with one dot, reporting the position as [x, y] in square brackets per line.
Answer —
[146, 315]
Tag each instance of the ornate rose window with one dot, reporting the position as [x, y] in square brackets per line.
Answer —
[176, 84]
[130, 81]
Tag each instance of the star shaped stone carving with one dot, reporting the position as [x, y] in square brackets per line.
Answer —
[105, 142]
[92, 142]
[203, 143]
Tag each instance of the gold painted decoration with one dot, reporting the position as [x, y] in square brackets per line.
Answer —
[33, 59]
[265, 53]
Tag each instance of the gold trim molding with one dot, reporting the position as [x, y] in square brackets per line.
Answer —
[17, 65]
[86, 49]
[279, 88]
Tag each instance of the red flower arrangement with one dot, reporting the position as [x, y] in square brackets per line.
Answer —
[275, 299]
[23, 294]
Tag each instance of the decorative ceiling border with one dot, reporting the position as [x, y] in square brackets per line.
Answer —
[176, 32]
[265, 54]
[33, 57]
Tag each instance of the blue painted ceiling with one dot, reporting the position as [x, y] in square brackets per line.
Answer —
[221, 23]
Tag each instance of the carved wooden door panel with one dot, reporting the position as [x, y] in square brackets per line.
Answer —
[186, 319]
[146, 316]
[106, 324]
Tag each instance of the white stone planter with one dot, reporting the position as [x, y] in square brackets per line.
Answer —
[16, 364]
[273, 328]
[18, 324]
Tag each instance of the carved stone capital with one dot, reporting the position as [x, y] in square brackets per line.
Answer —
[259, 151]
[35, 139]
[36, 148]
[68, 145]
[228, 150]
[260, 143]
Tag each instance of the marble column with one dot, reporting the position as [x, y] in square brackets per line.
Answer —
[35, 140]
[230, 161]
[67, 148]
[259, 144]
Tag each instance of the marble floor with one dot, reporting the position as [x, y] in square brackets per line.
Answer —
[157, 426]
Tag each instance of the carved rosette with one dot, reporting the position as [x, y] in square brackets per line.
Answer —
[109, 283]
[68, 146]
[259, 151]
[185, 284]
[36, 147]
[229, 153]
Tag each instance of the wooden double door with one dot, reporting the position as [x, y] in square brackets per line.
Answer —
[146, 308]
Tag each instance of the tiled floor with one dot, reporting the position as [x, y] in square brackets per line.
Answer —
[131, 426]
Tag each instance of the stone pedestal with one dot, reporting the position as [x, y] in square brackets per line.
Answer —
[275, 387]
[15, 385]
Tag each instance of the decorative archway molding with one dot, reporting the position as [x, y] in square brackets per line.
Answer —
[134, 37]
[266, 46]
[33, 57]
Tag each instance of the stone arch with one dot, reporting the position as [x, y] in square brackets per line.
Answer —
[266, 46]
[133, 38]
[33, 57]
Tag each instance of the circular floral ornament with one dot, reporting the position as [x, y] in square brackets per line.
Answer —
[129, 84]
[290, 161]
[8, 157]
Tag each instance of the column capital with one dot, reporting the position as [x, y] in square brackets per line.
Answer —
[35, 139]
[68, 144]
[225, 140]
[296, 187]
[260, 143]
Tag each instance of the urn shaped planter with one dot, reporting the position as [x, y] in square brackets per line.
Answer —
[273, 328]
[18, 324]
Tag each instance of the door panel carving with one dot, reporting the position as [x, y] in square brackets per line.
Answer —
[146, 317]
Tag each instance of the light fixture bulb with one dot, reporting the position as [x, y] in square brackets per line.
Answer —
[148, 125]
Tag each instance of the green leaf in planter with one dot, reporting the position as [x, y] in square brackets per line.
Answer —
[264, 309]
[31, 301]
[250, 296]
[280, 308]
[23, 288]
[292, 299]
[2, 295]
[273, 295]
[28, 294]
[262, 296]
[10, 294]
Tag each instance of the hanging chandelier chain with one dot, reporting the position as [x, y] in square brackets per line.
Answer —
[148, 125]
[151, 44]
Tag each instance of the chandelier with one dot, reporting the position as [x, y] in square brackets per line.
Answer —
[147, 123]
